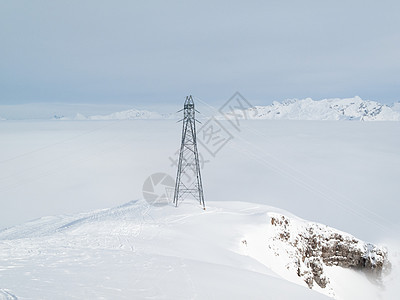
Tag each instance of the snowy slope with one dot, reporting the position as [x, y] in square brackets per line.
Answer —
[141, 251]
[137, 251]
[327, 109]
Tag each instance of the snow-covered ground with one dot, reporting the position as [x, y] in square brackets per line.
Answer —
[162, 252]
[342, 174]
[136, 252]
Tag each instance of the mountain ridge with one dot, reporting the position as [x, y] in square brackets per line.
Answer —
[333, 109]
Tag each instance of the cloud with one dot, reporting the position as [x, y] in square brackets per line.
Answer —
[125, 51]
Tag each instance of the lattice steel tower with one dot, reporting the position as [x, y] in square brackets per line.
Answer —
[188, 178]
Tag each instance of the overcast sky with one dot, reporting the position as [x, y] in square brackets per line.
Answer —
[135, 52]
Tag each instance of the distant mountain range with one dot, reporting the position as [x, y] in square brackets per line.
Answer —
[292, 109]
[305, 109]
[131, 114]
[327, 109]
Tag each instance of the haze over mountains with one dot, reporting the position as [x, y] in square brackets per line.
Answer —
[292, 109]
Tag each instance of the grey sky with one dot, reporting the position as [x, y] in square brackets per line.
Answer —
[136, 52]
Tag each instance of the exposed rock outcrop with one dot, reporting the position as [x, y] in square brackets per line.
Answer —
[314, 246]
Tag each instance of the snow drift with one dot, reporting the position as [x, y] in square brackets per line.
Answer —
[141, 251]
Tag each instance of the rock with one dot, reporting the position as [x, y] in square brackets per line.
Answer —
[314, 246]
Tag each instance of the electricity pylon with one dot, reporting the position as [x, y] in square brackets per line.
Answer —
[188, 178]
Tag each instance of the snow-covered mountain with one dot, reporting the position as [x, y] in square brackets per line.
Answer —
[305, 109]
[232, 250]
[396, 107]
[327, 109]
[292, 109]
[131, 114]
